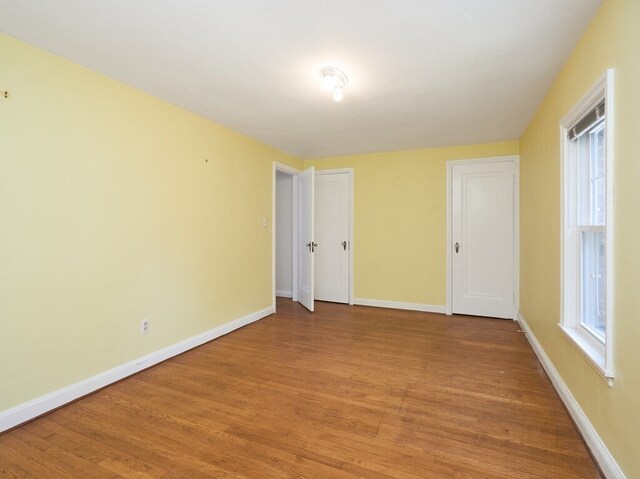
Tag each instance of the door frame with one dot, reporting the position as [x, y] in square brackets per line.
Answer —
[348, 171]
[293, 172]
[515, 159]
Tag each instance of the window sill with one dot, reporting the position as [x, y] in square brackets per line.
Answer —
[595, 354]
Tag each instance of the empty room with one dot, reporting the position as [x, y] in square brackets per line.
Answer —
[382, 239]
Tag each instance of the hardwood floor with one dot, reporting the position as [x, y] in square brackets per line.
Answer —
[344, 393]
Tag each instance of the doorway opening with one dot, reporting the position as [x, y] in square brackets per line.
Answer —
[284, 231]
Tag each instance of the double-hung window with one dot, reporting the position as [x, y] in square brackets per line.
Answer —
[586, 230]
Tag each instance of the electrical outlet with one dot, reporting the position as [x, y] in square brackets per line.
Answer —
[144, 326]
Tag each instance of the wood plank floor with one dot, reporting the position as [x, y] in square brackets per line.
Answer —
[348, 392]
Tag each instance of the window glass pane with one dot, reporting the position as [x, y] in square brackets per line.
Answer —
[598, 184]
[593, 282]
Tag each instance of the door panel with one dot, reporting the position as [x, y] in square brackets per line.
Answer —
[332, 197]
[483, 239]
[306, 211]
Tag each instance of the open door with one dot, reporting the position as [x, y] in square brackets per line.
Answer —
[306, 243]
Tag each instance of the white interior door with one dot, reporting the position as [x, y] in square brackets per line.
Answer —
[306, 241]
[482, 238]
[332, 221]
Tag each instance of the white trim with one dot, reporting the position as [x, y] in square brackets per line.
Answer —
[589, 99]
[610, 138]
[601, 453]
[378, 303]
[515, 159]
[294, 238]
[284, 168]
[351, 249]
[449, 213]
[24, 412]
[348, 171]
[334, 171]
[516, 238]
[590, 348]
[284, 294]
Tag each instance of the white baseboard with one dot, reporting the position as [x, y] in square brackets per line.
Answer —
[426, 308]
[603, 457]
[284, 294]
[29, 410]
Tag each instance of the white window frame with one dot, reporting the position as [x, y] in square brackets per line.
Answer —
[599, 352]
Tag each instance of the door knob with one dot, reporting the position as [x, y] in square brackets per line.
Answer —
[457, 246]
[344, 245]
[308, 245]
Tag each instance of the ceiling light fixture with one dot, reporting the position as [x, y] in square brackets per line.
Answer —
[334, 80]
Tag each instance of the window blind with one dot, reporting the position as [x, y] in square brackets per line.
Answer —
[586, 121]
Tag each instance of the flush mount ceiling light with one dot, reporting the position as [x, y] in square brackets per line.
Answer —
[334, 80]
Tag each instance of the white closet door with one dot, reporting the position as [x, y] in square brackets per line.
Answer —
[332, 221]
[483, 239]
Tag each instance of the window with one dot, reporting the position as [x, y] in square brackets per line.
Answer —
[586, 229]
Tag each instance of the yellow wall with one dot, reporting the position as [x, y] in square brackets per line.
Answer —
[612, 40]
[109, 214]
[400, 219]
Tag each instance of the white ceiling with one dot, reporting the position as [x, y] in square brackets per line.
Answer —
[422, 73]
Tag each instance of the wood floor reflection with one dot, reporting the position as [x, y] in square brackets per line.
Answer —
[346, 392]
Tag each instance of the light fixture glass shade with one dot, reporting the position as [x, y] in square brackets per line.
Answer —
[329, 81]
[338, 93]
[334, 80]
